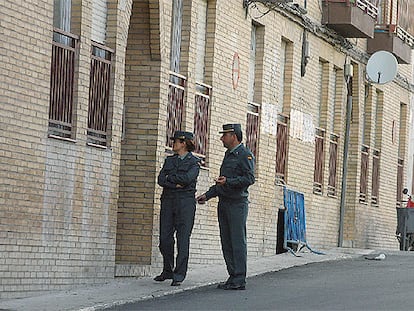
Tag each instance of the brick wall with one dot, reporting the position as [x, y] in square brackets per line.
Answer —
[58, 197]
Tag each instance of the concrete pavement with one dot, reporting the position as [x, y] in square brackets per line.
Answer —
[125, 290]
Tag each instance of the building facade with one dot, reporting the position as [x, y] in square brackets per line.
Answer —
[91, 91]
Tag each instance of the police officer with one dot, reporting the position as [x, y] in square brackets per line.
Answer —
[236, 175]
[178, 178]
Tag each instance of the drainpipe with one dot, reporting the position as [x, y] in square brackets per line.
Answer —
[348, 75]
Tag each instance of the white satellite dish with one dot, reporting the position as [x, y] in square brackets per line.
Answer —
[382, 67]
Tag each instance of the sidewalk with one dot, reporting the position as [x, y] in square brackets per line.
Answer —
[124, 290]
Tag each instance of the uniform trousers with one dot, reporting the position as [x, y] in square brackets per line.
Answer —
[176, 216]
[232, 216]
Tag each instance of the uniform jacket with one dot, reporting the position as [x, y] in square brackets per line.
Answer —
[238, 168]
[176, 171]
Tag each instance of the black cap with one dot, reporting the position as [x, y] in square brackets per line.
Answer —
[229, 128]
[183, 135]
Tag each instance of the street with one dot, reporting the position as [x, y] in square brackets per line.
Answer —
[355, 284]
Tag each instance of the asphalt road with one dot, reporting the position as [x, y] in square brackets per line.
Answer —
[358, 284]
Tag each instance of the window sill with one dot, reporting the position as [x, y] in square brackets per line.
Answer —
[61, 138]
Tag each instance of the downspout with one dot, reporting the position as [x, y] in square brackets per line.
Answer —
[348, 77]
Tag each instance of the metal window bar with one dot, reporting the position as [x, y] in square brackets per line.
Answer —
[363, 177]
[400, 171]
[175, 105]
[64, 49]
[375, 176]
[319, 161]
[201, 118]
[281, 149]
[252, 127]
[99, 84]
[333, 161]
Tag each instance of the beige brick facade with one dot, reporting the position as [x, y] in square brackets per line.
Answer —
[76, 214]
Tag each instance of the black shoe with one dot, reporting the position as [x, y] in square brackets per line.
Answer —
[176, 283]
[222, 286]
[234, 287]
[162, 277]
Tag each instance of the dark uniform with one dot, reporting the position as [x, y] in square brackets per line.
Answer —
[178, 207]
[238, 168]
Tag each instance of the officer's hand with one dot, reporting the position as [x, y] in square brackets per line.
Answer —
[178, 186]
[201, 199]
[221, 180]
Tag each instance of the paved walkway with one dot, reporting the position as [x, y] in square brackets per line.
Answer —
[125, 290]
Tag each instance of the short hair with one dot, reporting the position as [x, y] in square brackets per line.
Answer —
[239, 135]
[189, 144]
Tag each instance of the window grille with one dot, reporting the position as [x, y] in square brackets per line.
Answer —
[319, 161]
[64, 49]
[175, 106]
[375, 176]
[201, 120]
[252, 127]
[363, 179]
[99, 84]
[282, 148]
[333, 162]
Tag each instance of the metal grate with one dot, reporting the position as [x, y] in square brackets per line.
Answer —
[252, 127]
[281, 149]
[62, 75]
[375, 176]
[363, 177]
[99, 95]
[175, 106]
[333, 161]
[201, 119]
[319, 161]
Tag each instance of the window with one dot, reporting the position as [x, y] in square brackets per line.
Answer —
[375, 177]
[335, 100]
[363, 178]
[99, 21]
[320, 131]
[333, 160]
[177, 82]
[62, 11]
[252, 127]
[281, 149]
[376, 153]
[402, 137]
[282, 131]
[319, 161]
[201, 120]
[100, 74]
[99, 95]
[177, 21]
[62, 76]
[365, 147]
[203, 91]
[175, 108]
[254, 94]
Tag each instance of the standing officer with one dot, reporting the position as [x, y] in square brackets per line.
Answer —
[236, 175]
[178, 178]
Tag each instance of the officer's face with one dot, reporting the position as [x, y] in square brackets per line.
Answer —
[178, 145]
[228, 139]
